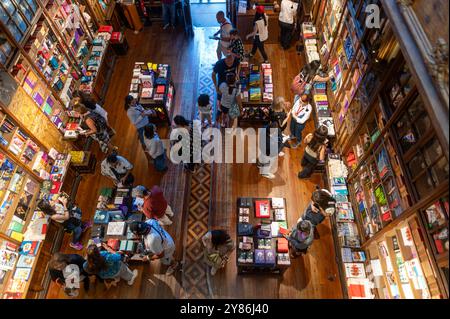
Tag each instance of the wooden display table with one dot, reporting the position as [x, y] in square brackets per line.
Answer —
[244, 24]
[244, 268]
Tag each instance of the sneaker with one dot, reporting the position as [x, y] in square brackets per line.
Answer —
[166, 26]
[269, 176]
[172, 269]
[77, 246]
[86, 226]
[213, 271]
[135, 274]
[281, 154]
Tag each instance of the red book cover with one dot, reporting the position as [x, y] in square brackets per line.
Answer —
[282, 245]
[161, 89]
[113, 243]
[283, 231]
[439, 247]
[56, 186]
[105, 28]
[44, 229]
[262, 208]
[357, 291]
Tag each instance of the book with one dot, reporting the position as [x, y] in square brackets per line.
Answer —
[354, 270]
[262, 209]
[29, 248]
[116, 229]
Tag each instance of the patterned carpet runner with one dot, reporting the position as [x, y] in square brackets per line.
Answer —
[194, 278]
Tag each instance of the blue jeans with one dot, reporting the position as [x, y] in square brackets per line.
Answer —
[76, 232]
[160, 162]
[169, 13]
[296, 130]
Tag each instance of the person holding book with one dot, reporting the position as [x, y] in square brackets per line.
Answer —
[108, 265]
[155, 205]
[301, 112]
[205, 110]
[117, 168]
[278, 115]
[322, 205]
[157, 243]
[70, 218]
[223, 35]
[231, 100]
[57, 269]
[309, 74]
[260, 33]
[236, 47]
[138, 116]
[301, 238]
[155, 148]
[315, 151]
[94, 125]
[218, 247]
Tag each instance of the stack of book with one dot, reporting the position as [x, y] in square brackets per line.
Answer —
[268, 82]
[309, 33]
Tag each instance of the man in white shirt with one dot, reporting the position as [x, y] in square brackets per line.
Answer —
[224, 31]
[287, 20]
[118, 169]
[158, 243]
[301, 112]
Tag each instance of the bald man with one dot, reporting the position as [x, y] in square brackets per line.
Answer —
[224, 32]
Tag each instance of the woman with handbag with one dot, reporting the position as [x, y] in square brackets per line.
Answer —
[218, 248]
[231, 103]
[309, 74]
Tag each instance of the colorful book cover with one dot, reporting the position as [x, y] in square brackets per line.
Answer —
[29, 248]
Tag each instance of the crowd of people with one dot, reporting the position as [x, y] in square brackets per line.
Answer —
[110, 266]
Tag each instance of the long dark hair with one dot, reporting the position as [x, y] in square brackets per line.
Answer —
[95, 261]
[86, 99]
[219, 237]
[149, 131]
[45, 206]
[310, 69]
[258, 16]
[180, 120]
[128, 100]
[231, 82]
[319, 137]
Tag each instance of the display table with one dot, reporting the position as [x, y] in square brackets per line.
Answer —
[115, 211]
[256, 93]
[152, 86]
[258, 249]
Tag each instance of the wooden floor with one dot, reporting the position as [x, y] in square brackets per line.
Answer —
[314, 276]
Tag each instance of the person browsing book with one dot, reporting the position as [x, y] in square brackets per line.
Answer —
[155, 205]
[301, 112]
[157, 242]
[117, 168]
[138, 116]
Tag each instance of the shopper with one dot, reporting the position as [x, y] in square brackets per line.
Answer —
[70, 218]
[231, 100]
[309, 74]
[322, 205]
[155, 148]
[218, 247]
[60, 274]
[118, 168]
[301, 112]
[224, 32]
[155, 205]
[94, 125]
[157, 243]
[228, 65]
[205, 110]
[236, 47]
[188, 132]
[260, 33]
[169, 13]
[138, 115]
[314, 152]
[287, 20]
[301, 238]
[108, 265]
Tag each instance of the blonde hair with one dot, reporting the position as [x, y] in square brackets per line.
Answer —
[279, 104]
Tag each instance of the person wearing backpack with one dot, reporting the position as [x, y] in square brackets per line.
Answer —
[260, 33]
[70, 218]
[156, 243]
[218, 247]
[301, 237]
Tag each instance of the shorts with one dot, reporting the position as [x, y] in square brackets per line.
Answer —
[224, 109]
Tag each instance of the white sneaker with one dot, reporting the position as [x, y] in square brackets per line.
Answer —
[166, 26]
[135, 274]
[281, 154]
[213, 271]
[269, 176]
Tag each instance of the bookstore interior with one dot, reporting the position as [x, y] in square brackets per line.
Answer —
[385, 108]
